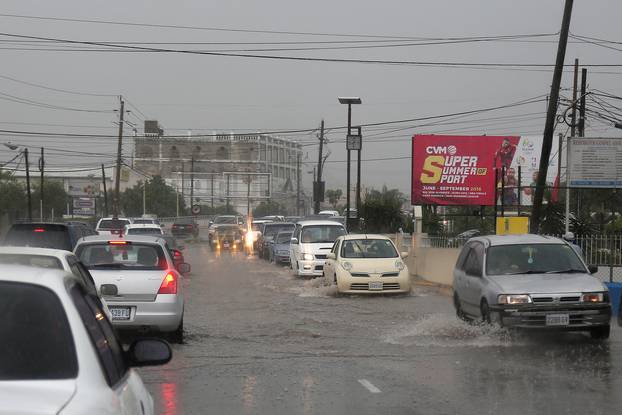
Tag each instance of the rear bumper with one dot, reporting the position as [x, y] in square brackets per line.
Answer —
[581, 316]
[163, 314]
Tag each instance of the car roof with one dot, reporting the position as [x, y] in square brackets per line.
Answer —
[129, 238]
[497, 240]
[319, 222]
[47, 277]
[22, 250]
[118, 218]
[43, 224]
[280, 223]
[143, 226]
[364, 236]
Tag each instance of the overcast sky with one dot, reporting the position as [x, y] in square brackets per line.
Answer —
[215, 93]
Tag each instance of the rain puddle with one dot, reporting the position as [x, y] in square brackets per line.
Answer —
[445, 330]
[316, 287]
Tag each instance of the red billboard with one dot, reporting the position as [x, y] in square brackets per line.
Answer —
[458, 170]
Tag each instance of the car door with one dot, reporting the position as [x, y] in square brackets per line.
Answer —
[473, 281]
[459, 283]
[330, 264]
[127, 389]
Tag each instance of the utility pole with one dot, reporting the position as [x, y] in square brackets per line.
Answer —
[28, 184]
[318, 188]
[549, 128]
[212, 191]
[191, 182]
[573, 115]
[248, 196]
[41, 169]
[183, 181]
[582, 105]
[105, 191]
[228, 184]
[358, 176]
[144, 197]
[298, 176]
[117, 179]
[348, 208]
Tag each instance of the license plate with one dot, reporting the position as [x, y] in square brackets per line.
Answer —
[120, 313]
[226, 244]
[557, 320]
[375, 286]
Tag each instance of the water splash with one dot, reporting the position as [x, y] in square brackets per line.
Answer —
[316, 287]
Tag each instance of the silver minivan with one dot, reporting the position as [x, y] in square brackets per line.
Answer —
[530, 281]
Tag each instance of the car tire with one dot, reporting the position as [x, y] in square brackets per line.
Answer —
[600, 333]
[177, 336]
[459, 312]
[485, 311]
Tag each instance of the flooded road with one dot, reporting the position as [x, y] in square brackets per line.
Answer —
[260, 341]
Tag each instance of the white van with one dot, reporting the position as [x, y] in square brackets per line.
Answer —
[311, 242]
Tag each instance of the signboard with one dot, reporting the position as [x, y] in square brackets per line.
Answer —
[514, 225]
[460, 170]
[595, 162]
[354, 142]
[84, 206]
[196, 209]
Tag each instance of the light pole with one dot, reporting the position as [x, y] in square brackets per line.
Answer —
[349, 101]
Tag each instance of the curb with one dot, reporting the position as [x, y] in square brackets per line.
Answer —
[442, 289]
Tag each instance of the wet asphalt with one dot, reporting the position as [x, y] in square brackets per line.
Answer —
[261, 341]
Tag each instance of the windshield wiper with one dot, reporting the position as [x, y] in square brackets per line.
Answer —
[567, 271]
[531, 271]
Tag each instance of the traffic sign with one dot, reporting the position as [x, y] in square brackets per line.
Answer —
[353, 142]
[196, 209]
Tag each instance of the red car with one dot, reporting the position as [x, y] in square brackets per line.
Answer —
[176, 251]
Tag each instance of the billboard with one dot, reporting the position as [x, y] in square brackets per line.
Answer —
[595, 162]
[460, 170]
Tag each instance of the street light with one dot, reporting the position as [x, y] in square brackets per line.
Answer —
[349, 101]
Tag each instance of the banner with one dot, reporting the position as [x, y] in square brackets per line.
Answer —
[595, 162]
[460, 170]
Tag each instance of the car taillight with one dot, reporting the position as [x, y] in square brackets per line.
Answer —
[169, 284]
[177, 254]
[38, 230]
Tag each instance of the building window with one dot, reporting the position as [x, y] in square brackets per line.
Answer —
[222, 153]
[174, 153]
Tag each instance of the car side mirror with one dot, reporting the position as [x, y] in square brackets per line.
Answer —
[593, 269]
[294, 240]
[108, 290]
[149, 352]
[331, 255]
[184, 268]
[404, 255]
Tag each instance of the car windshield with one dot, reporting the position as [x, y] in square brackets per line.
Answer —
[113, 223]
[37, 343]
[132, 256]
[41, 261]
[225, 219]
[368, 248]
[321, 234]
[283, 238]
[39, 235]
[144, 231]
[532, 259]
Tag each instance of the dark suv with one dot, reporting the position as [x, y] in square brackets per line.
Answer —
[185, 227]
[47, 235]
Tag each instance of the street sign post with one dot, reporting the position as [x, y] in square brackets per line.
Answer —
[354, 142]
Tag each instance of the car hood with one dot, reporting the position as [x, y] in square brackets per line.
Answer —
[51, 396]
[317, 248]
[373, 265]
[547, 283]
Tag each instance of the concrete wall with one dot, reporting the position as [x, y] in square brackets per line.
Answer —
[433, 264]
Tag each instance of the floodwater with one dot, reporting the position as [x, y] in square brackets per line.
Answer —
[260, 341]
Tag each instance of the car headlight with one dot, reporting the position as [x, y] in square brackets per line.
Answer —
[593, 297]
[346, 265]
[511, 299]
[307, 257]
[400, 265]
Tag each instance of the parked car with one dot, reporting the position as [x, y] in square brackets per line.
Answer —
[184, 227]
[149, 287]
[279, 252]
[143, 229]
[47, 235]
[532, 282]
[310, 244]
[111, 226]
[269, 231]
[175, 250]
[360, 263]
[53, 259]
[60, 353]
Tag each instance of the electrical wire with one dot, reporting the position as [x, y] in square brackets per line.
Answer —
[65, 91]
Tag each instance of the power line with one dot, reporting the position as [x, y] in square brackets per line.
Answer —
[26, 101]
[66, 91]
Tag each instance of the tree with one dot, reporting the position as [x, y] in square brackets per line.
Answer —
[333, 196]
[13, 200]
[382, 210]
[269, 207]
[54, 198]
[160, 198]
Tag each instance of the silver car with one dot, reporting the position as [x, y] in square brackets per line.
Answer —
[143, 288]
[530, 281]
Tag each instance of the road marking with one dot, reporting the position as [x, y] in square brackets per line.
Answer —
[369, 386]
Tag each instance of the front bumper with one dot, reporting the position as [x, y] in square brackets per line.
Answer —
[373, 284]
[313, 268]
[581, 316]
[164, 314]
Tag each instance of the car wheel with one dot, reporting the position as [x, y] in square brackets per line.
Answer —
[178, 335]
[600, 333]
[459, 312]
[485, 311]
